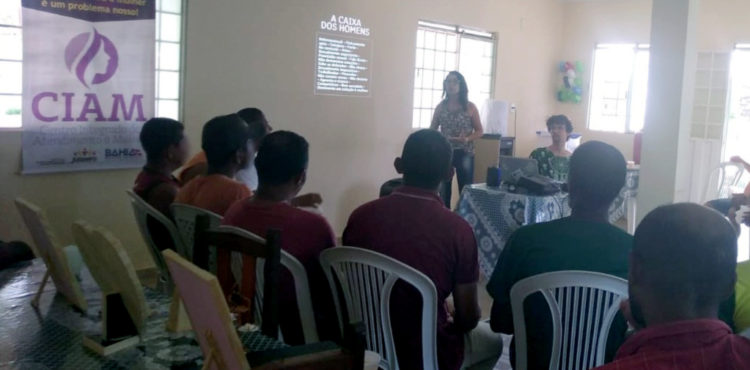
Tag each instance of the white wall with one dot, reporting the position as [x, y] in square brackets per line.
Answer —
[261, 53]
[98, 197]
[721, 24]
[588, 23]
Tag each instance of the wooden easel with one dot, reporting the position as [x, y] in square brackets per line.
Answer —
[213, 353]
[124, 308]
[53, 255]
[119, 331]
[178, 320]
[38, 295]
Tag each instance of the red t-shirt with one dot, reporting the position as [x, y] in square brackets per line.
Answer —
[147, 181]
[413, 226]
[687, 345]
[303, 235]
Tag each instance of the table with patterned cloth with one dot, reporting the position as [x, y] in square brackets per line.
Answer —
[51, 338]
[495, 213]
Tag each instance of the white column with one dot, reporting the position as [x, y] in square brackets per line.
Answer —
[664, 160]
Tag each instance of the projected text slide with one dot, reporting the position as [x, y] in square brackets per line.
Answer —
[343, 65]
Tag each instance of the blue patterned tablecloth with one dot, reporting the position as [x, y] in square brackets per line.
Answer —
[495, 213]
[619, 207]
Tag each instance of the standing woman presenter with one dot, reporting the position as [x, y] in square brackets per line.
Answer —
[458, 120]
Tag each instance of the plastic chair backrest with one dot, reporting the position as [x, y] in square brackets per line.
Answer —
[51, 252]
[583, 305]
[112, 269]
[143, 211]
[252, 247]
[184, 218]
[208, 313]
[722, 179]
[301, 289]
[367, 279]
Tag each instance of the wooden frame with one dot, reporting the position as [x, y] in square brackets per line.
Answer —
[124, 308]
[209, 315]
[226, 240]
[53, 255]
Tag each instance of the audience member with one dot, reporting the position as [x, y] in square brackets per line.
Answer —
[413, 226]
[682, 266]
[584, 241]
[258, 127]
[554, 160]
[389, 186]
[166, 148]
[225, 141]
[282, 170]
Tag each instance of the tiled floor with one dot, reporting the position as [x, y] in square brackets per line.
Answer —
[51, 337]
[485, 303]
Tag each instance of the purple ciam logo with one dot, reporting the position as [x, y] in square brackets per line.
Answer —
[99, 43]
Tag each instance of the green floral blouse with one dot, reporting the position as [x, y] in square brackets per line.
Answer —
[550, 165]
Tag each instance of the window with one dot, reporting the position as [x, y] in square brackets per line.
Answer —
[738, 124]
[441, 49]
[168, 60]
[619, 88]
[11, 56]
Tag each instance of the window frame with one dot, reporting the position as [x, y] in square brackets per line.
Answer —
[157, 44]
[628, 127]
[181, 59]
[20, 28]
[459, 32]
[726, 153]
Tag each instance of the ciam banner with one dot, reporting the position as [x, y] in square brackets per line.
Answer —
[88, 83]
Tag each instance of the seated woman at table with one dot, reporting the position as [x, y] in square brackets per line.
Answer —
[554, 160]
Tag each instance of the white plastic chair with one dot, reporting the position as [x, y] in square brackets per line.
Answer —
[301, 287]
[143, 211]
[184, 218]
[367, 279]
[583, 305]
[721, 180]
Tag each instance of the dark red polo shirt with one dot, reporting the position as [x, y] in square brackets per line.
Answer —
[685, 345]
[147, 181]
[413, 226]
[303, 235]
